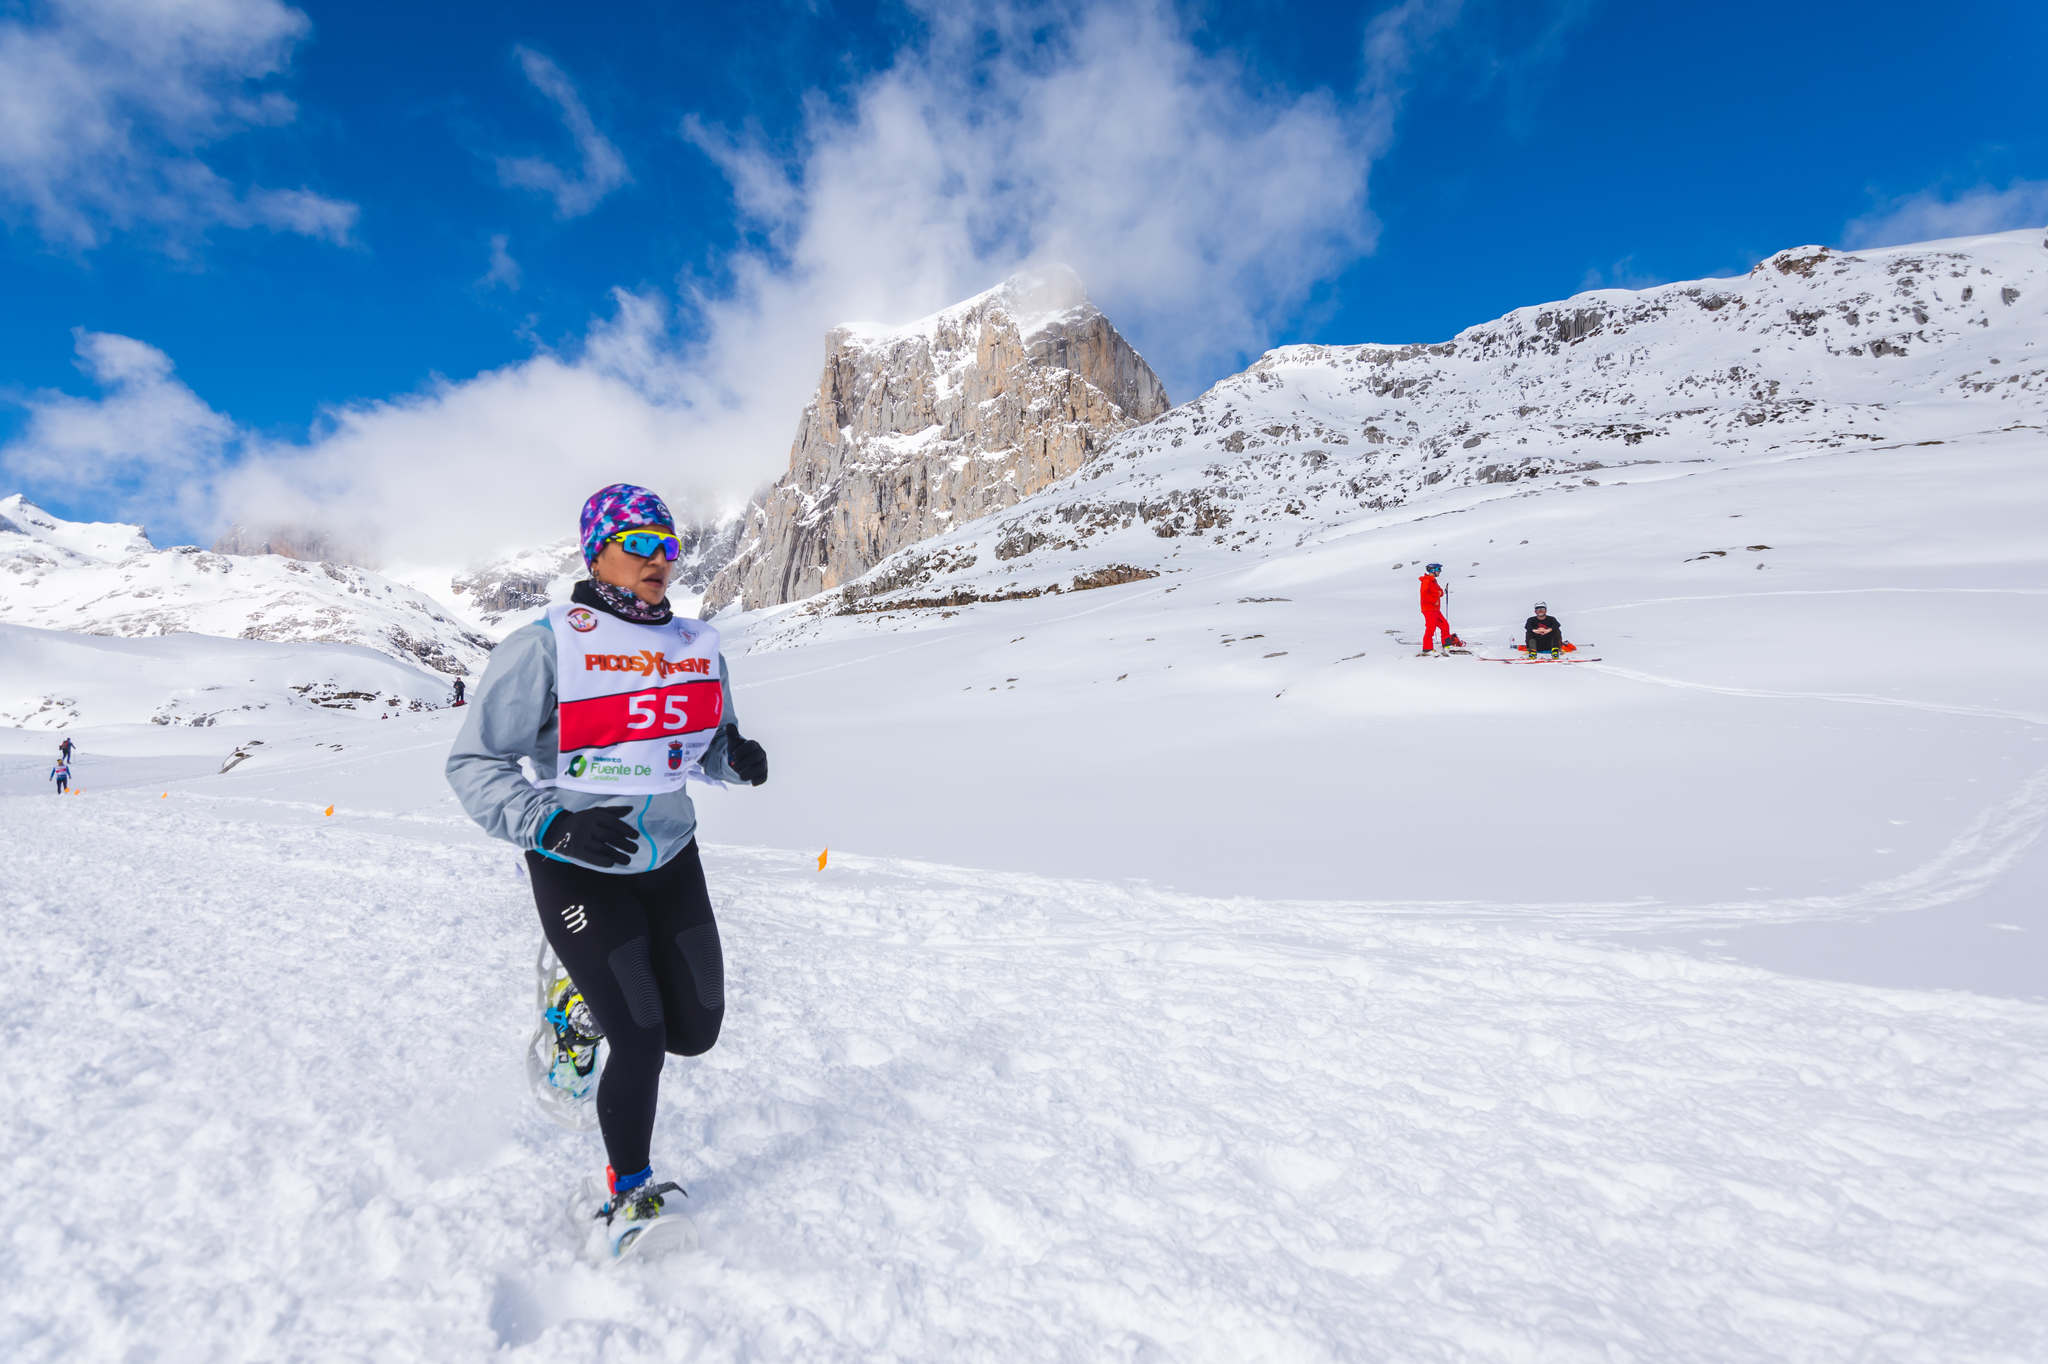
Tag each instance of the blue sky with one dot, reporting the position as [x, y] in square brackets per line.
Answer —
[368, 262]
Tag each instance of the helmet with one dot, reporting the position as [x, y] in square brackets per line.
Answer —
[1432, 568]
[1541, 607]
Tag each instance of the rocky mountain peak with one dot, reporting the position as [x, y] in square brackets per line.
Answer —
[917, 428]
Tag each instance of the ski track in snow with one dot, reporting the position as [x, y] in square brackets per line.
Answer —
[968, 1115]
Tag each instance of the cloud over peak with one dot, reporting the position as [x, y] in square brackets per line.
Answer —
[1933, 213]
[147, 443]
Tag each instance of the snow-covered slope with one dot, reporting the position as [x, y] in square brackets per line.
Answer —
[1687, 1007]
[1197, 973]
[60, 679]
[109, 580]
[1813, 350]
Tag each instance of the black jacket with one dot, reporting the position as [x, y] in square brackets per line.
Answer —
[1552, 639]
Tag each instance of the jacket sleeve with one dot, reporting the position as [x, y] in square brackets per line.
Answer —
[513, 704]
[713, 762]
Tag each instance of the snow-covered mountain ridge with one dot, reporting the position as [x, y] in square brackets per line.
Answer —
[62, 679]
[107, 579]
[1814, 349]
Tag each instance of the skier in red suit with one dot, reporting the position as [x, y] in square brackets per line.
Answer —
[1434, 627]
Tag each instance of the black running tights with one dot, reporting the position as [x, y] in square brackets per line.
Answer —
[643, 949]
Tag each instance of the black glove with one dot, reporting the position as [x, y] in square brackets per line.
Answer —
[597, 836]
[746, 757]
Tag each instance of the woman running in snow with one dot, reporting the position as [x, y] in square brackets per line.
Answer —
[61, 774]
[615, 700]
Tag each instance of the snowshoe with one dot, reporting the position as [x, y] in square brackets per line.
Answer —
[562, 1056]
[640, 1221]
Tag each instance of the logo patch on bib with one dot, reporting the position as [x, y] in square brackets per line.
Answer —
[581, 619]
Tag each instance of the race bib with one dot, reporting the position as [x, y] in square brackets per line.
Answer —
[636, 705]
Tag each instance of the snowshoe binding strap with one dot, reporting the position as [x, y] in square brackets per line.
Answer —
[638, 1204]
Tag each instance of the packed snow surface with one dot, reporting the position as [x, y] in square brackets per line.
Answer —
[1463, 1013]
[1196, 972]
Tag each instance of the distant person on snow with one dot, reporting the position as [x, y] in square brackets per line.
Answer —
[1543, 633]
[1434, 625]
[64, 749]
[61, 774]
[615, 701]
[458, 691]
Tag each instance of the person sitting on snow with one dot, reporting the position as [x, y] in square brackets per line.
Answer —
[1543, 633]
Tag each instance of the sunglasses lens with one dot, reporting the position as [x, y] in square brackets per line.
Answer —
[641, 544]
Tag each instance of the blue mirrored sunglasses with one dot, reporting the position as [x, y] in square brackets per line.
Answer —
[645, 544]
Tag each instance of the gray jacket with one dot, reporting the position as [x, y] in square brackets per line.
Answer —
[512, 716]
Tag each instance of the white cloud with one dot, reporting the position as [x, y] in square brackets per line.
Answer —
[1622, 274]
[146, 446]
[1933, 214]
[600, 170]
[504, 270]
[492, 463]
[1199, 207]
[105, 106]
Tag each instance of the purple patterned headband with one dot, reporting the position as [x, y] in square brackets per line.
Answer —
[622, 506]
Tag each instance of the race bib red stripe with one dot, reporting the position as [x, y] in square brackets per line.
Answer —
[657, 713]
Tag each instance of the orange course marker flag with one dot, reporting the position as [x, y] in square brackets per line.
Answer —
[821, 859]
[328, 811]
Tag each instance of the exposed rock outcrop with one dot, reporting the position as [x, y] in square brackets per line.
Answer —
[917, 429]
[290, 542]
